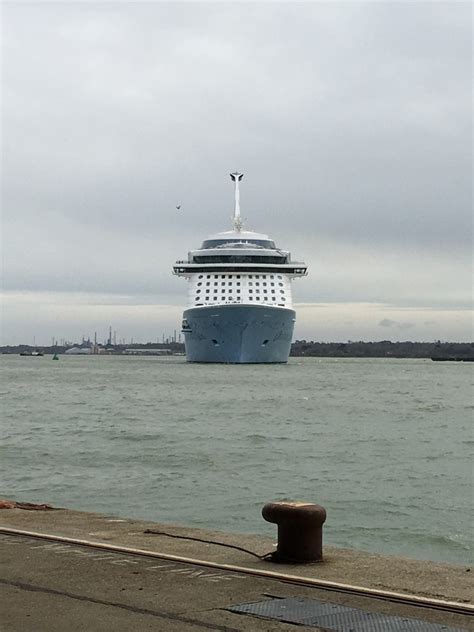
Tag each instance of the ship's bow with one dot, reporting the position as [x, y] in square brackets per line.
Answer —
[238, 334]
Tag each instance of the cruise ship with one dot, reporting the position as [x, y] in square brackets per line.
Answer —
[239, 296]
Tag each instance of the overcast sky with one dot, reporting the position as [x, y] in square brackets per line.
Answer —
[351, 122]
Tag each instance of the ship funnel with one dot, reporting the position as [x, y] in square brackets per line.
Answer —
[236, 178]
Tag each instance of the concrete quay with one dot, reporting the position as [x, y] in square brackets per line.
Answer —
[51, 586]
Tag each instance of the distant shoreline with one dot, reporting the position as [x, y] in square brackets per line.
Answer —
[454, 351]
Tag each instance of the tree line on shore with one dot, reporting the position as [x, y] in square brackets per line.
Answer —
[383, 349]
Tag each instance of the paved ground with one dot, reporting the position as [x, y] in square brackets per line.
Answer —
[56, 587]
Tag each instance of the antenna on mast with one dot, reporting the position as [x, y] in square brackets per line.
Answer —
[236, 177]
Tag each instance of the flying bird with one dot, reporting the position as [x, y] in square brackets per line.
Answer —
[178, 207]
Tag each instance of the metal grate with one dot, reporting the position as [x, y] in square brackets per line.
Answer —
[331, 616]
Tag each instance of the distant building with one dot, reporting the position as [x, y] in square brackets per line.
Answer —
[79, 351]
[148, 352]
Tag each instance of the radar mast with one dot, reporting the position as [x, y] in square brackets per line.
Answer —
[236, 177]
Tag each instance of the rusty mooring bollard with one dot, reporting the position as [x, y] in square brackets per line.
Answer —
[300, 530]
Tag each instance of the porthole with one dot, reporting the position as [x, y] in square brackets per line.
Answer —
[250, 276]
[238, 276]
[208, 276]
[257, 283]
[250, 283]
[282, 291]
[257, 298]
[250, 291]
[208, 283]
[238, 282]
[272, 283]
[229, 283]
[273, 291]
[238, 291]
[223, 283]
[279, 277]
[281, 284]
[200, 276]
[264, 283]
[271, 276]
[250, 298]
[257, 276]
[199, 283]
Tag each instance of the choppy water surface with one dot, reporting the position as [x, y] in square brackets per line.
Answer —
[384, 445]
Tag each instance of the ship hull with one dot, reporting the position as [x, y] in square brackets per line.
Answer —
[238, 334]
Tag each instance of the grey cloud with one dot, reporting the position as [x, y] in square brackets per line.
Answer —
[351, 121]
[387, 322]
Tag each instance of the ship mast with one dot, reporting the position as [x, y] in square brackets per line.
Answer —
[236, 178]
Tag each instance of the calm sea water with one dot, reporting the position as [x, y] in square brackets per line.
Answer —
[384, 445]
